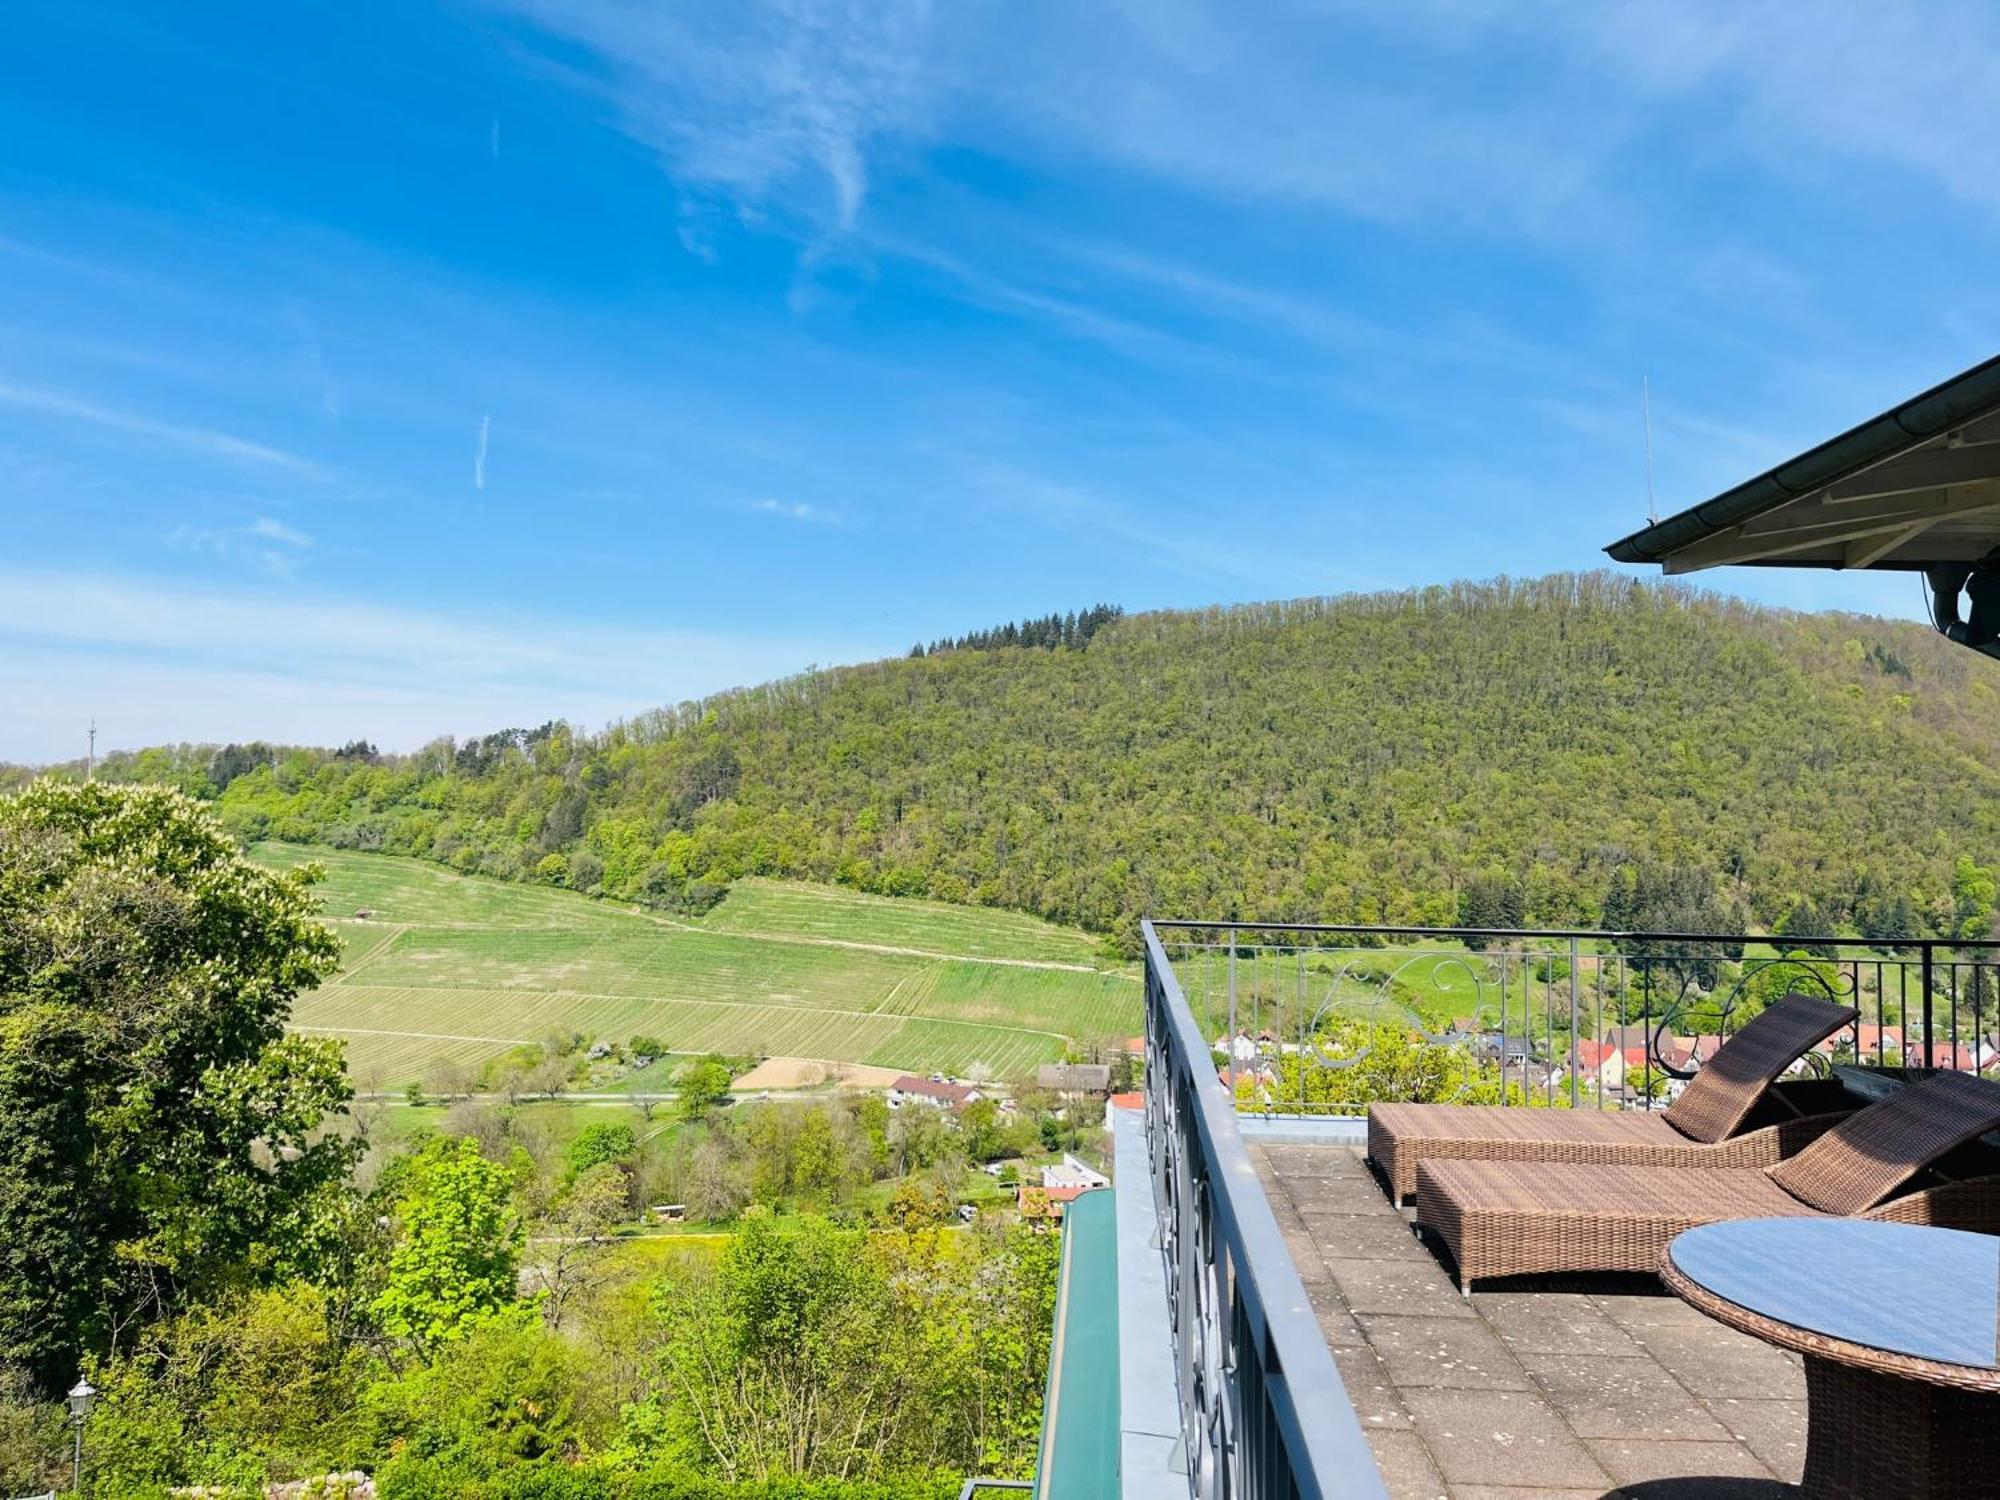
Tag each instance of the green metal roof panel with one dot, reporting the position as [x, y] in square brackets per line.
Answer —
[1080, 1428]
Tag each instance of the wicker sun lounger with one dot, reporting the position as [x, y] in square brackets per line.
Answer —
[1522, 1218]
[1704, 1127]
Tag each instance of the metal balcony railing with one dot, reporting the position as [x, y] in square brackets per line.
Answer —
[1263, 1411]
[1302, 1015]
[1320, 1019]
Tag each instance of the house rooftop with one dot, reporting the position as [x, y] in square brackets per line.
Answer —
[932, 1088]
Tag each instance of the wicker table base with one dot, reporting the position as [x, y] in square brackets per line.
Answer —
[1870, 1435]
[1902, 1398]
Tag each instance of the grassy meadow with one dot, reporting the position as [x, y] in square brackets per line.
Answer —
[449, 967]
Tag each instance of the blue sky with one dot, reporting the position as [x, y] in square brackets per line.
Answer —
[382, 370]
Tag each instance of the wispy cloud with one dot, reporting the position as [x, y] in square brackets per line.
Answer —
[807, 88]
[269, 544]
[311, 361]
[479, 457]
[1856, 80]
[797, 102]
[1208, 552]
[209, 663]
[792, 510]
[201, 440]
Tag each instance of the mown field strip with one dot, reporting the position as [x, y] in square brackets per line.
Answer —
[360, 943]
[964, 1048]
[672, 965]
[1098, 1006]
[766, 908]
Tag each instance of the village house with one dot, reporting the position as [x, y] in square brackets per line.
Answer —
[1073, 1174]
[1075, 1078]
[937, 1091]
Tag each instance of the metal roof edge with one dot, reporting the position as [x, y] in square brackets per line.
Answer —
[1971, 394]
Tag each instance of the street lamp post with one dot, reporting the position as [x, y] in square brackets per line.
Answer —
[81, 1395]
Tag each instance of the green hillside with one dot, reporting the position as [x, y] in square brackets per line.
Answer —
[451, 968]
[1365, 758]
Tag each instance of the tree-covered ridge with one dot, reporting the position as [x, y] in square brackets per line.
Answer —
[1070, 631]
[1363, 758]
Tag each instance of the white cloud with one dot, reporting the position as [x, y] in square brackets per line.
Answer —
[1914, 85]
[799, 102]
[278, 531]
[479, 458]
[157, 661]
[763, 99]
[270, 544]
[792, 510]
[203, 440]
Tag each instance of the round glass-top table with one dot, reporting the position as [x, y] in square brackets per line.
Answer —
[1900, 1328]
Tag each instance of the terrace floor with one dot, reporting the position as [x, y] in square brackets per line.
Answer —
[1592, 1388]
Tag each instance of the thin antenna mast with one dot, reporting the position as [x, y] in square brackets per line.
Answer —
[1646, 401]
[90, 760]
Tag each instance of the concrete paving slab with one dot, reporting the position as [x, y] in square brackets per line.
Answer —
[1376, 1400]
[1773, 1430]
[1501, 1437]
[1612, 1398]
[1455, 1353]
[1407, 1467]
[1630, 1460]
[1739, 1366]
[1555, 1323]
[1364, 1237]
[1397, 1286]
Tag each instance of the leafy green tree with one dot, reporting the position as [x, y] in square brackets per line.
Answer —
[600, 1143]
[160, 1136]
[506, 1392]
[985, 1138]
[872, 1115]
[703, 1084]
[1359, 1063]
[236, 1391]
[456, 1252]
[829, 1353]
[1973, 893]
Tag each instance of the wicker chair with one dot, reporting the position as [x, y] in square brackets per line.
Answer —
[1704, 1127]
[1524, 1218]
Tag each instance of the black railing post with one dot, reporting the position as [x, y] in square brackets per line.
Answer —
[1575, 1057]
[1925, 954]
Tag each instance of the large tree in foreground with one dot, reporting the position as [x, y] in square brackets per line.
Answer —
[160, 1136]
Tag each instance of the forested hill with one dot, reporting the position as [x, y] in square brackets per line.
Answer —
[1511, 749]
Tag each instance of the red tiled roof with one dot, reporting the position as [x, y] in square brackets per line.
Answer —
[1133, 1100]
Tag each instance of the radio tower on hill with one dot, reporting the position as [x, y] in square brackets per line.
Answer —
[90, 758]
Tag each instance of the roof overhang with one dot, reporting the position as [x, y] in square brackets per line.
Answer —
[1916, 487]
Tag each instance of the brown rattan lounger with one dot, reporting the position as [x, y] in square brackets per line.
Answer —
[1704, 1127]
[1520, 1218]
